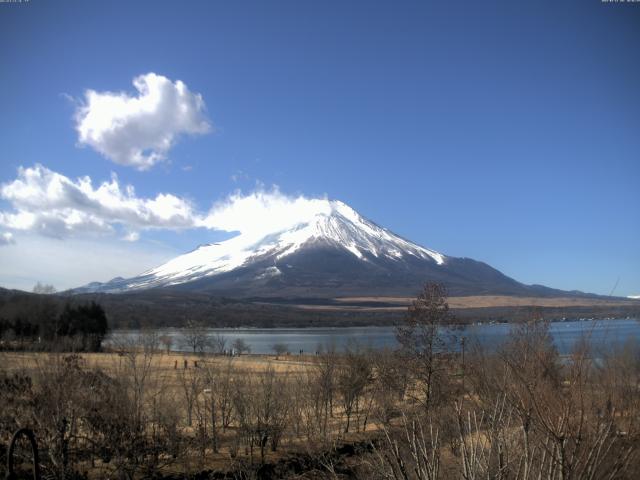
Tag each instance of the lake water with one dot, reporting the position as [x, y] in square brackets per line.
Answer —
[604, 334]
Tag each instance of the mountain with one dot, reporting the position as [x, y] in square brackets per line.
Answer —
[333, 253]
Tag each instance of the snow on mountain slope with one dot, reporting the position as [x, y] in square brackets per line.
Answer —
[338, 226]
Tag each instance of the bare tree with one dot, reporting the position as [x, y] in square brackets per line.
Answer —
[130, 403]
[323, 387]
[390, 384]
[216, 380]
[423, 343]
[195, 336]
[167, 342]
[149, 341]
[44, 288]
[273, 405]
[240, 346]
[353, 376]
[280, 349]
[218, 344]
[542, 416]
[224, 393]
[58, 411]
[191, 385]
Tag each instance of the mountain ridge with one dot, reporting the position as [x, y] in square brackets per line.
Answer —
[333, 251]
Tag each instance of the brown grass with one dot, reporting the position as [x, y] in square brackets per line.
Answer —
[110, 361]
[480, 301]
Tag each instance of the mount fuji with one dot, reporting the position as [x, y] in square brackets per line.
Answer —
[332, 252]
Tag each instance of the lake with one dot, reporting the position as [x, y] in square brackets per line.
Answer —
[605, 334]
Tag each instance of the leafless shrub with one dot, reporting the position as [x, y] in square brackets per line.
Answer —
[413, 453]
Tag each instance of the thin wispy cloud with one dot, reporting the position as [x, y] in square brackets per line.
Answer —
[132, 237]
[239, 175]
[6, 238]
[139, 130]
[76, 261]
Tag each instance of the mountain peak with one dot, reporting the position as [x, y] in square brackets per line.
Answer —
[318, 248]
[330, 226]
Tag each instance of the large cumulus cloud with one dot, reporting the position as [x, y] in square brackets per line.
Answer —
[52, 204]
[264, 211]
[140, 130]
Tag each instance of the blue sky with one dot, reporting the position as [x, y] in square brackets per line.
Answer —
[503, 131]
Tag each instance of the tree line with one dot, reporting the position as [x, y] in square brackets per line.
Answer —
[43, 325]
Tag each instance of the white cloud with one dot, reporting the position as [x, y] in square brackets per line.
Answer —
[46, 204]
[132, 237]
[263, 212]
[6, 238]
[239, 175]
[52, 204]
[140, 130]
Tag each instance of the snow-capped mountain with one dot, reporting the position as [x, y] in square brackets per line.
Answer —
[332, 253]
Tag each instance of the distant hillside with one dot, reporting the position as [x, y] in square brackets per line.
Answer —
[169, 308]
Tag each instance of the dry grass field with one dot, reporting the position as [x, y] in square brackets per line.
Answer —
[161, 363]
[185, 393]
[479, 301]
[399, 304]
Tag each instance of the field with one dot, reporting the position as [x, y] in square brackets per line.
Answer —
[161, 363]
[184, 392]
[138, 412]
[477, 301]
